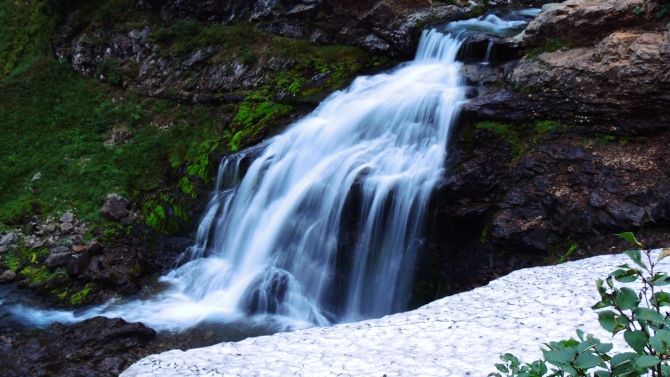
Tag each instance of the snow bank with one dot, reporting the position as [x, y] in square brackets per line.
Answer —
[461, 335]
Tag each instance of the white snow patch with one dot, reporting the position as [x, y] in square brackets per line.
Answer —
[459, 335]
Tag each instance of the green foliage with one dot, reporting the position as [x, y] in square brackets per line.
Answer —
[165, 222]
[508, 134]
[639, 316]
[254, 116]
[552, 45]
[638, 10]
[110, 70]
[186, 29]
[36, 275]
[247, 57]
[55, 122]
[188, 187]
[79, 298]
[545, 126]
[59, 117]
[568, 254]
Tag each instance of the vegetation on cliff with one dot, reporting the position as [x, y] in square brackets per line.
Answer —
[86, 138]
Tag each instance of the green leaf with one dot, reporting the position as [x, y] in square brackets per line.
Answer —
[502, 368]
[636, 256]
[605, 303]
[647, 361]
[630, 237]
[561, 357]
[661, 299]
[539, 368]
[508, 357]
[645, 314]
[661, 341]
[626, 299]
[636, 340]
[660, 279]
[623, 364]
[588, 361]
[602, 373]
[599, 286]
[626, 276]
[607, 320]
[580, 334]
[603, 348]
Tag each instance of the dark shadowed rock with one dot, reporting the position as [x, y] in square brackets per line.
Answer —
[7, 276]
[96, 347]
[129, 284]
[56, 260]
[78, 265]
[115, 208]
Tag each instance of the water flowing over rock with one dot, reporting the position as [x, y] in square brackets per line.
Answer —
[321, 223]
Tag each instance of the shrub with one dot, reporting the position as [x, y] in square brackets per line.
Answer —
[637, 315]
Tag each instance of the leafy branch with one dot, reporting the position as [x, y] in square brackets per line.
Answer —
[638, 315]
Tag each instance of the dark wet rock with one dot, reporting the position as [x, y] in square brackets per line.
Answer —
[96, 347]
[78, 265]
[115, 208]
[7, 276]
[129, 284]
[170, 253]
[55, 260]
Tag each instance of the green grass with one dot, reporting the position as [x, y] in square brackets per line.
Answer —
[521, 137]
[55, 122]
[552, 45]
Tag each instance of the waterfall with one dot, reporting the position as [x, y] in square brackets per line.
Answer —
[271, 242]
[321, 223]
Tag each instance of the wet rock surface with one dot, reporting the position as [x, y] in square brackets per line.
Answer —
[96, 347]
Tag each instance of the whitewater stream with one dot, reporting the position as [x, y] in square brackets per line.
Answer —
[270, 244]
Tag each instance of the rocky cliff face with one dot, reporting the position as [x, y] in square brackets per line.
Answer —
[196, 60]
[388, 26]
[565, 146]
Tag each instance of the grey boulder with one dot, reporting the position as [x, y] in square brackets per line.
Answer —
[56, 260]
[7, 276]
[115, 208]
[9, 239]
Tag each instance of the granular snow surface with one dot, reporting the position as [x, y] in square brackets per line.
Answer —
[460, 335]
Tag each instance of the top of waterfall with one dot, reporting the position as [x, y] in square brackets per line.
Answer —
[503, 25]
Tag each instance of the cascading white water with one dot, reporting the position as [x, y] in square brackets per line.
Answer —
[361, 167]
[271, 242]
